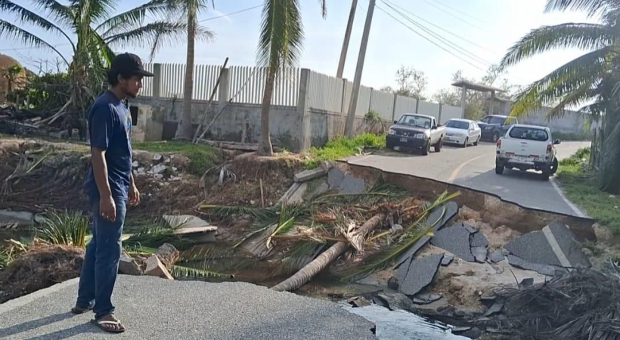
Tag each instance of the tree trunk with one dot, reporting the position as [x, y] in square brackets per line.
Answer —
[306, 273]
[184, 130]
[610, 155]
[264, 146]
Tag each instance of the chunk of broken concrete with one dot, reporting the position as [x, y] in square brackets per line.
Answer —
[424, 299]
[554, 245]
[540, 268]
[420, 274]
[154, 267]
[393, 283]
[191, 227]
[495, 309]
[157, 158]
[159, 169]
[168, 255]
[135, 164]
[479, 253]
[358, 301]
[308, 175]
[496, 256]
[439, 217]
[454, 239]
[393, 301]
[479, 240]
[128, 266]
[473, 333]
[447, 259]
[527, 282]
[352, 185]
[334, 178]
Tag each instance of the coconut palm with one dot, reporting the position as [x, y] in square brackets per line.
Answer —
[190, 9]
[91, 29]
[279, 46]
[587, 80]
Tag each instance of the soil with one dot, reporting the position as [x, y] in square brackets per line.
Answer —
[41, 267]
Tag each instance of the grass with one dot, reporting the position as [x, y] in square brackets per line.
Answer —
[66, 228]
[202, 157]
[343, 147]
[581, 187]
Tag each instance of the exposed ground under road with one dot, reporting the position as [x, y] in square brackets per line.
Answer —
[153, 308]
[474, 167]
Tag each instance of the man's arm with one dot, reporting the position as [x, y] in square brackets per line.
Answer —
[100, 172]
[134, 194]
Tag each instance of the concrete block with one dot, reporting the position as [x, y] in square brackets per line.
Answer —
[309, 175]
[127, 265]
[548, 270]
[154, 267]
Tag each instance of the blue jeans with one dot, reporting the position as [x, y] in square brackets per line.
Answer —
[101, 260]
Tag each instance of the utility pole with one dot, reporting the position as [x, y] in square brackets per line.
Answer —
[347, 37]
[349, 128]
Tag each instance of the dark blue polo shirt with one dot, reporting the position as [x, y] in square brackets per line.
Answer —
[109, 127]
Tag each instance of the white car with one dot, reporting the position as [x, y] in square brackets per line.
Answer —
[527, 147]
[462, 132]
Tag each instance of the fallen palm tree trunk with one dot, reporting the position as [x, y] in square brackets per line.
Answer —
[311, 269]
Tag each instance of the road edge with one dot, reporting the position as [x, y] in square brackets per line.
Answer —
[26, 299]
[570, 204]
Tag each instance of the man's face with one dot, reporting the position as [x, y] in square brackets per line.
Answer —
[131, 86]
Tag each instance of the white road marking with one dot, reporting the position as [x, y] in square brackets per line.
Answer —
[555, 246]
[570, 204]
[460, 167]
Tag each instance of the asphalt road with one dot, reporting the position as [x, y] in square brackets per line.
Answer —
[474, 167]
[153, 308]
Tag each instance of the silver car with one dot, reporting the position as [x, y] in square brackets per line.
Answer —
[463, 132]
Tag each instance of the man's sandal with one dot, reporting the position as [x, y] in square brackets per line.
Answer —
[80, 310]
[110, 326]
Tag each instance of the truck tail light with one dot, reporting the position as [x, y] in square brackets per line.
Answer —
[499, 143]
[549, 148]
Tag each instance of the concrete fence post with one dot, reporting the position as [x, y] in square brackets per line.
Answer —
[394, 108]
[224, 89]
[157, 81]
[303, 112]
[417, 105]
[439, 117]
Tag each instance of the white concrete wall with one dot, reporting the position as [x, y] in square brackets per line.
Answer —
[449, 112]
[382, 103]
[429, 109]
[404, 105]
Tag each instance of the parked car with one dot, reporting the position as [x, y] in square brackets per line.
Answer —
[494, 127]
[462, 132]
[527, 147]
[416, 131]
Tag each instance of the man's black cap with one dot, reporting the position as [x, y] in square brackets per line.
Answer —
[129, 64]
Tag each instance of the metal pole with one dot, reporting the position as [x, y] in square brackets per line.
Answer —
[350, 125]
[347, 37]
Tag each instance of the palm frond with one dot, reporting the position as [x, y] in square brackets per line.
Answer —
[92, 11]
[59, 12]
[181, 272]
[591, 7]
[18, 34]
[156, 234]
[584, 36]
[300, 254]
[323, 4]
[413, 233]
[259, 214]
[577, 97]
[65, 228]
[133, 18]
[27, 16]
[152, 35]
[582, 71]
[281, 34]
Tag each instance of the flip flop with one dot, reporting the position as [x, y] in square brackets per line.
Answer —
[80, 310]
[101, 324]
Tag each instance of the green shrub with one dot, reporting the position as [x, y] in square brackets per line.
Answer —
[65, 228]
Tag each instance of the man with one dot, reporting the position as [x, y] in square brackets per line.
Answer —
[110, 186]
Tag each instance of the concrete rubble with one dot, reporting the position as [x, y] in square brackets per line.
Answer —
[154, 267]
[418, 274]
[128, 265]
[192, 227]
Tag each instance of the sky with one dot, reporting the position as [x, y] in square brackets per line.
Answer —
[484, 29]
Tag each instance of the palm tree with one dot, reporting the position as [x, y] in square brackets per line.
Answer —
[190, 9]
[91, 29]
[279, 46]
[589, 80]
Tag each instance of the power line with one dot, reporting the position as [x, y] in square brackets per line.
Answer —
[430, 40]
[458, 11]
[452, 45]
[454, 16]
[233, 13]
[441, 28]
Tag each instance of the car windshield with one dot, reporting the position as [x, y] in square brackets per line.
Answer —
[457, 124]
[529, 133]
[493, 120]
[417, 121]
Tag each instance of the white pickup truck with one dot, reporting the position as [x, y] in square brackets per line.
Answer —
[527, 147]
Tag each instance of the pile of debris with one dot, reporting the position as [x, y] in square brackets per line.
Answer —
[164, 168]
[160, 264]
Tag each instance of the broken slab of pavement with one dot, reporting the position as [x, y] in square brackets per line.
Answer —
[192, 227]
[418, 274]
[548, 251]
[463, 241]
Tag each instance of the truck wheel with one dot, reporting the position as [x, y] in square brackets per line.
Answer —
[477, 141]
[466, 142]
[499, 169]
[427, 149]
[495, 137]
[554, 166]
[439, 145]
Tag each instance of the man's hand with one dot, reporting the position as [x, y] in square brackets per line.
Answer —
[107, 207]
[134, 196]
